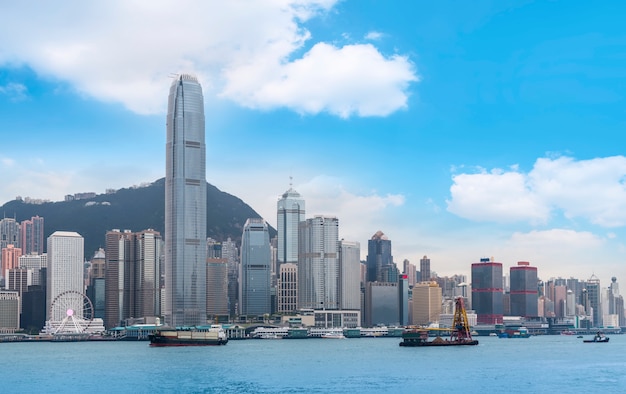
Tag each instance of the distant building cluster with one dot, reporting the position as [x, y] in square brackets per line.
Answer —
[306, 275]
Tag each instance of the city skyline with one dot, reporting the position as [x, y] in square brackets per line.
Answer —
[474, 130]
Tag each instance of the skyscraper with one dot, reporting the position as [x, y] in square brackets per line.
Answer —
[524, 291]
[487, 291]
[425, 269]
[318, 263]
[593, 306]
[255, 274]
[380, 264]
[349, 278]
[290, 213]
[426, 303]
[32, 235]
[185, 205]
[65, 269]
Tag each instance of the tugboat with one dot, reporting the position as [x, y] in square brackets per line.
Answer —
[598, 338]
[194, 336]
[460, 334]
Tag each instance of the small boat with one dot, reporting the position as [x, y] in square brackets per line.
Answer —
[568, 332]
[193, 336]
[598, 338]
[493, 334]
[333, 335]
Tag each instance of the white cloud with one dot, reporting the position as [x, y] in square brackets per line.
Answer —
[373, 35]
[244, 51]
[496, 196]
[15, 91]
[594, 190]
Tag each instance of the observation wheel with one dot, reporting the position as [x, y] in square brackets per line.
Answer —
[72, 312]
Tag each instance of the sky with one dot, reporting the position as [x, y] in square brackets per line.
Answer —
[461, 130]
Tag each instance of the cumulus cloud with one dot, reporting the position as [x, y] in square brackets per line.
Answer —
[252, 52]
[594, 190]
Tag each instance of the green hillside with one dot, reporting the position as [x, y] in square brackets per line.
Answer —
[133, 209]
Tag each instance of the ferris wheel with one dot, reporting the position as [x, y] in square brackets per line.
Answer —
[75, 311]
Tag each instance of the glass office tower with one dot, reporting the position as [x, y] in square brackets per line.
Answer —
[185, 205]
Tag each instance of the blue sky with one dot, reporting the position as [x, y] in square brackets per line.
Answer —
[460, 129]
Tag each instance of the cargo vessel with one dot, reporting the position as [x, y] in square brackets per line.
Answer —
[460, 334]
[195, 336]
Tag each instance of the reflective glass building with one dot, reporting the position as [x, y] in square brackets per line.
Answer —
[290, 212]
[487, 291]
[255, 274]
[524, 291]
[185, 205]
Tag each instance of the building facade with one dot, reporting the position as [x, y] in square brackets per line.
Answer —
[425, 269]
[318, 263]
[32, 235]
[487, 292]
[349, 275]
[65, 270]
[524, 294]
[185, 205]
[255, 269]
[379, 259]
[287, 289]
[290, 212]
[426, 303]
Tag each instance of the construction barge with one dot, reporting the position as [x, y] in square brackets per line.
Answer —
[460, 332]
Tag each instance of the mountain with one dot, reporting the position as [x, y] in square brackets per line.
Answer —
[135, 209]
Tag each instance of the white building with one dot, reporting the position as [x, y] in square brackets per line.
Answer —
[318, 263]
[65, 269]
[349, 275]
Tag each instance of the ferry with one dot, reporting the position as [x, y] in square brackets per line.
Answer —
[192, 336]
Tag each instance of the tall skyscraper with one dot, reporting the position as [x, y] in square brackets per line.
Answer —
[32, 235]
[185, 205]
[349, 275]
[487, 291]
[255, 274]
[318, 263]
[524, 291]
[132, 276]
[425, 269]
[9, 235]
[380, 264]
[10, 258]
[65, 269]
[291, 211]
[593, 304]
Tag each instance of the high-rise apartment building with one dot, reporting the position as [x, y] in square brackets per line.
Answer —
[32, 235]
[487, 291]
[9, 235]
[185, 205]
[318, 263]
[349, 275]
[380, 266]
[410, 271]
[10, 258]
[65, 270]
[291, 210]
[524, 290]
[255, 269]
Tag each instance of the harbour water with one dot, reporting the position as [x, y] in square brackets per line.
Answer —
[541, 364]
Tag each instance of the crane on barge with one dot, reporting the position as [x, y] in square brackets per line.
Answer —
[460, 332]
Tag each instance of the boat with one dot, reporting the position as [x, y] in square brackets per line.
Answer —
[493, 334]
[568, 332]
[460, 334]
[598, 338]
[192, 336]
[333, 335]
[521, 332]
